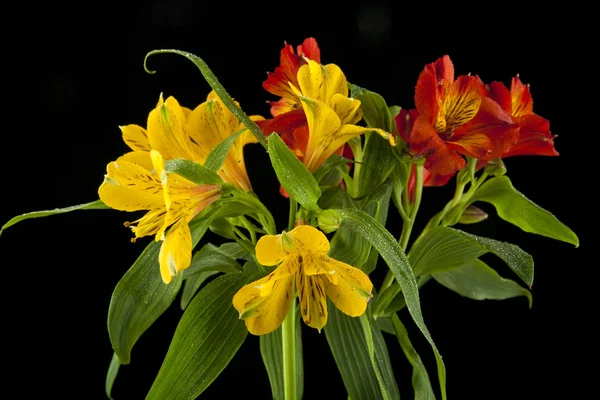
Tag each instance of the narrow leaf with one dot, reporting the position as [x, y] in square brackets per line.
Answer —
[191, 286]
[217, 156]
[377, 164]
[141, 296]
[209, 258]
[375, 110]
[441, 249]
[293, 175]
[206, 339]
[348, 345]
[192, 171]
[94, 205]
[477, 281]
[420, 377]
[392, 253]
[214, 83]
[514, 207]
[111, 375]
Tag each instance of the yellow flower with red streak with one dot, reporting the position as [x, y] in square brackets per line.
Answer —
[301, 256]
[535, 137]
[330, 113]
[456, 118]
[137, 181]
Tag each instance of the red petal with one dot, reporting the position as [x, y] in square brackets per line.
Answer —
[500, 94]
[277, 82]
[426, 92]
[284, 123]
[535, 138]
[488, 135]
[522, 103]
[404, 123]
[310, 49]
[444, 69]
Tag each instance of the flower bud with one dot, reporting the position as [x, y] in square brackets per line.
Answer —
[329, 221]
[495, 167]
[472, 215]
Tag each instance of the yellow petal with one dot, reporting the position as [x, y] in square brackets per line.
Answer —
[308, 238]
[352, 289]
[321, 82]
[166, 130]
[313, 303]
[151, 223]
[141, 158]
[269, 250]
[264, 304]
[159, 168]
[347, 109]
[129, 187]
[176, 251]
[135, 137]
[324, 126]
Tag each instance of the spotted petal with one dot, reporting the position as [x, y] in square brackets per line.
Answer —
[351, 291]
[176, 251]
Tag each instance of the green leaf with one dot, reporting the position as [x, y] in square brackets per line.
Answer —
[192, 171]
[214, 83]
[347, 341]
[442, 248]
[420, 377]
[94, 205]
[206, 339]
[377, 164]
[331, 164]
[217, 156]
[222, 227]
[191, 286]
[478, 281]
[293, 175]
[209, 258]
[141, 296]
[271, 350]
[514, 207]
[375, 111]
[392, 253]
[111, 375]
[335, 197]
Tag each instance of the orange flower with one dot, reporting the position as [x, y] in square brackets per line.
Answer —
[535, 137]
[456, 118]
[278, 82]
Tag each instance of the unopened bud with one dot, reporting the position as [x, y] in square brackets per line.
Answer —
[495, 167]
[329, 221]
[472, 215]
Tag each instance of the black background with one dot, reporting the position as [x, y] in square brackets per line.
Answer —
[73, 74]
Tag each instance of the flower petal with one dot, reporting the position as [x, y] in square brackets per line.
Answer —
[141, 158]
[308, 238]
[491, 122]
[352, 290]
[535, 138]
[324, 126]
[461, 104]
[166, 130]
[135, 137]
[522, 103]
[264, 304]
[347, 109]
[500, 94]
[269, 250]
[322, 82]
[176, 251]
[310, 49]
[313, 301]
[426, 92]
[129, 187]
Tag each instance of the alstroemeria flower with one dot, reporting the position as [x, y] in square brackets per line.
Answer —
[455, 118]
[301, 256]
[178, 132]
[277, 82]
[136, 181]
[330, 113]
[535, 137]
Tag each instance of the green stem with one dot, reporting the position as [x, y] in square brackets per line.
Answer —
[288, 333]
[292, 216]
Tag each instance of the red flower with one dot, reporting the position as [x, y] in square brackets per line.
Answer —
[277, 82]
[535, 137]
[455, 118]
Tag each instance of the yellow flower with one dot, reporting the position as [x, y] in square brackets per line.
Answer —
[302, 258]
[136, 181]
[178, 132]
[330, 113]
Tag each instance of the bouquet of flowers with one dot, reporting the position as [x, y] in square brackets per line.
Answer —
[345, 159]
